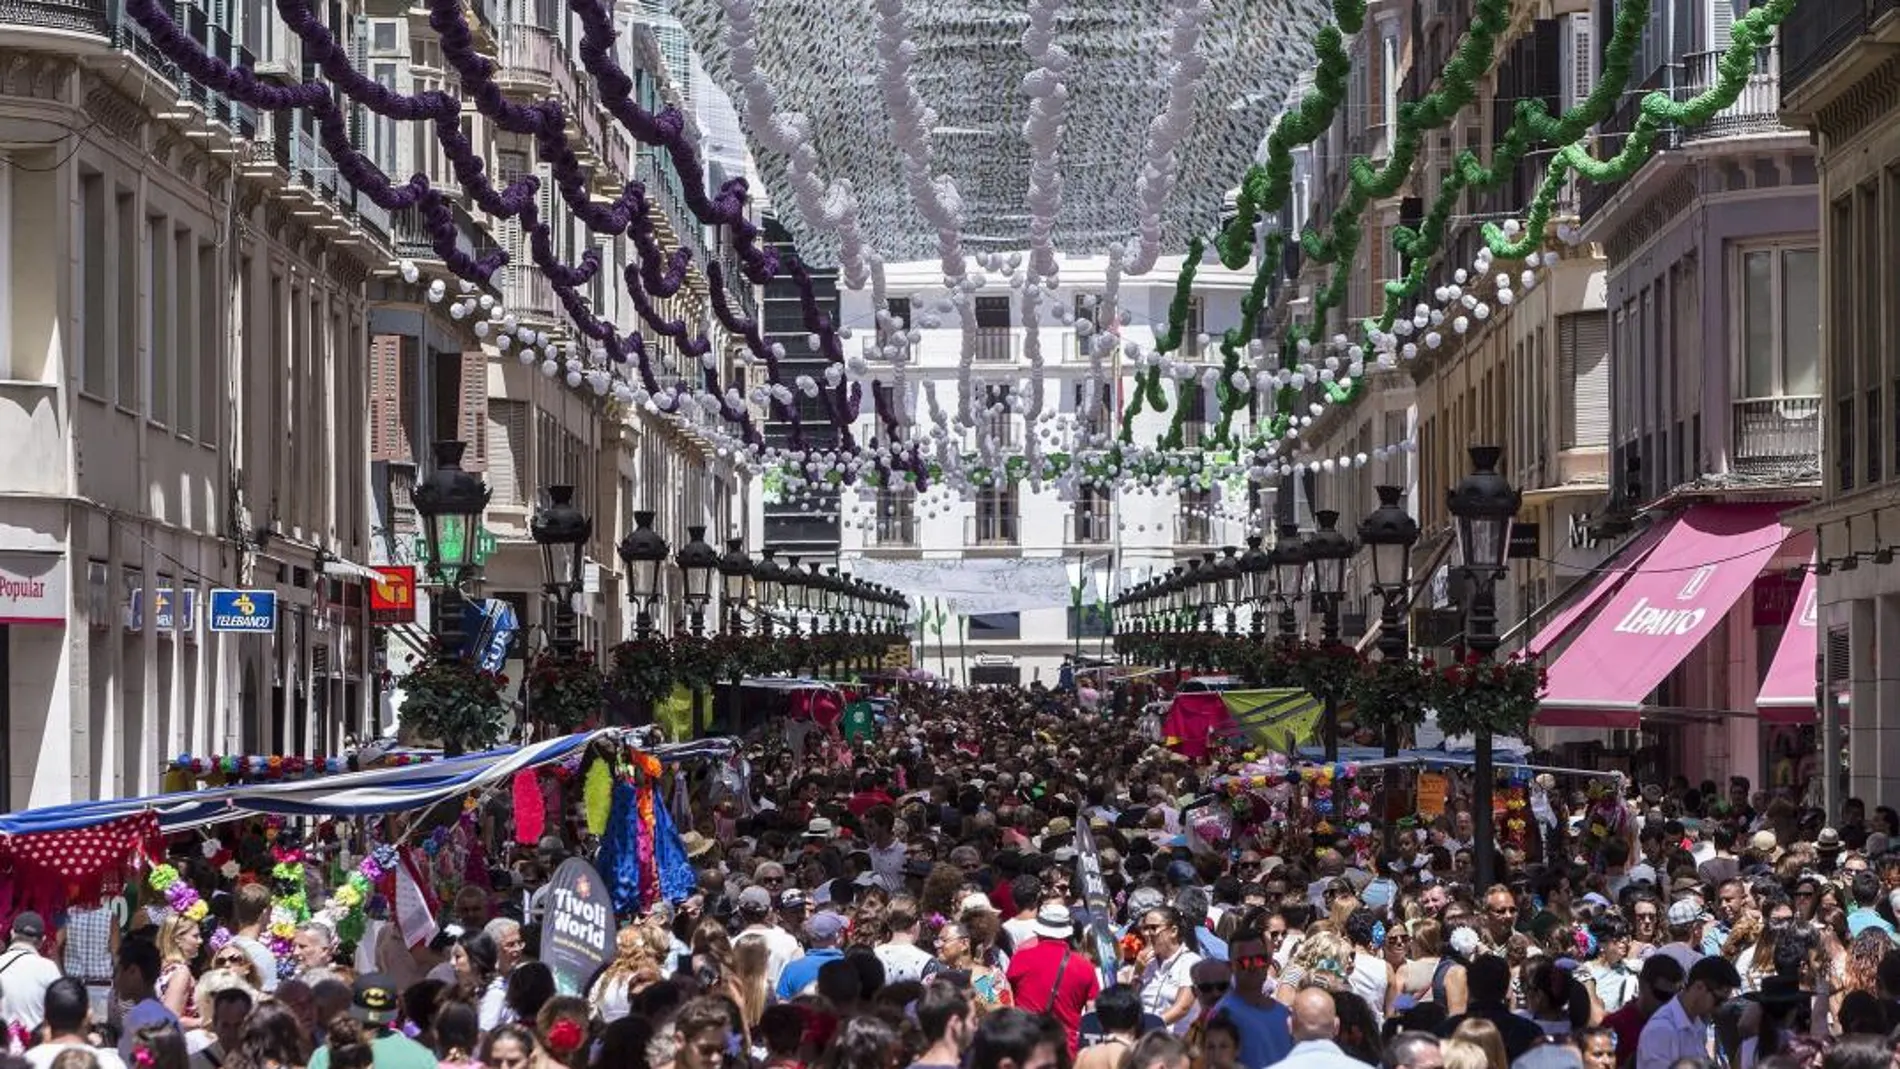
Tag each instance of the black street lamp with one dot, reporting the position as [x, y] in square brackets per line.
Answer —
[1227, 576]
[450, 502]
[1328, 550]
[767, 580]
[1485, 504]
[1256, 571]
[792, 591]
[1288, 558]
[735, 570]
[644, 552]
[697, 562]
[561, 529]
[1390, 533]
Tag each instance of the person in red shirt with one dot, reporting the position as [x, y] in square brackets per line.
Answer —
[1659, 981]
[1051, 976]
[870, 795]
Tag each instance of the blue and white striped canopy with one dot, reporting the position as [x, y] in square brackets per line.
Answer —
[378, 790]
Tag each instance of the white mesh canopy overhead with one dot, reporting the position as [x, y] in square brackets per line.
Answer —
[821, 60]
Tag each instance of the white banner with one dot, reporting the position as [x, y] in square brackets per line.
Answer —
[978, 585]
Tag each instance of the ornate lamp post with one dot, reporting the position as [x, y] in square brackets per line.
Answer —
[451, 502]
[1485, 504]
[1288, 557]
[1328, 550]
[766, 577]
[561, 529]
[1256, 571]
[792, 592]
[1390, 533]
[735, 572]
[1228, 577]
[698, 562]
[644, 553]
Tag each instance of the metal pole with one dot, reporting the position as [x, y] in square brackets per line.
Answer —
[1481, 635]
[1393, 645]
[1830, 738]
[562, 636]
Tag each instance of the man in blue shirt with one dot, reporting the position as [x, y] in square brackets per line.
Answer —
[1866, 891]
[1259, 1017]
[822, 932]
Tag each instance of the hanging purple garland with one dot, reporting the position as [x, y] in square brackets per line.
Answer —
[545, 122]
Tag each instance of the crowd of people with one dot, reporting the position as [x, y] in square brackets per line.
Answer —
[915, 899]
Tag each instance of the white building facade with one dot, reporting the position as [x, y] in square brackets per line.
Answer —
[1130, 536]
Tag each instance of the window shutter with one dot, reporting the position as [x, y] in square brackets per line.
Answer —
[1583, 365]
[1579, 70]
[1839, 664]
[1720, 25]
[409, 399]
[508, 450]
[474, 410]
[385, 398]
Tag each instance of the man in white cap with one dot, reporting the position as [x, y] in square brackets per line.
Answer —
[1051, 976]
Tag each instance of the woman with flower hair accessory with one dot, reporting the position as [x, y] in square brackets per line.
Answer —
[158, 1047]
[561, 1029]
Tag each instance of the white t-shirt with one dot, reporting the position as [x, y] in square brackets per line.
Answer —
[1161, 984]
[781, 950]
[1021, 930]
[902, 962]
[1368, 980]
[24, 978]
[41, 1057]
[887, 864]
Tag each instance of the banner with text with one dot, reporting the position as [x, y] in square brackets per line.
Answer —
[577, 931]
[979, 585]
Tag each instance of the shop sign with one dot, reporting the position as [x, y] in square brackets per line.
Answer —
[33, 588]
[253, 611]
[392, 597]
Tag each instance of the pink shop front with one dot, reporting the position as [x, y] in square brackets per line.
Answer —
[1690, 653]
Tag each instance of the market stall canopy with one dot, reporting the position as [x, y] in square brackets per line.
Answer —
[1677, 596]
[860, 88]
[1787, 694]
[382, 790]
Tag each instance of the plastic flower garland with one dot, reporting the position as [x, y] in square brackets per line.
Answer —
[183, 899]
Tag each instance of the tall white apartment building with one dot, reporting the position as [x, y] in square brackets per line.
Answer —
[1130, 536]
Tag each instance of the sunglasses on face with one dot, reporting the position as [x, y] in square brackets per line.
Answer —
[1213, 987]
[1253, 963]
[1662, 994]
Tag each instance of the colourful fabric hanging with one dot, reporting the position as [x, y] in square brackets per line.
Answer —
[530, 816]
[620, 850]
[649, 867]
[677, 879]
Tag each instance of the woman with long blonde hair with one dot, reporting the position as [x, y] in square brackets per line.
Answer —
[751, 961]
[634, 969]
[1323, 958]
[179, 940]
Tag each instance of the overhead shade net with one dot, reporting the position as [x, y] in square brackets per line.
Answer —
[1787, 693]
[1677, 597]
[1602, 584]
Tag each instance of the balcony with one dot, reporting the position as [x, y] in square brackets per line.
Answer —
[1193, 531]
[895, 529]
[528, 292]
[1081, 528]
[998, 527]
[1775, 435]
[1823, 29]
[92, 17]
[1756, 111]
[995, 345]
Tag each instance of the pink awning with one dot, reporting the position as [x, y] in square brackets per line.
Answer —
[1787, 694]
[1602, 585]
[1679, 595]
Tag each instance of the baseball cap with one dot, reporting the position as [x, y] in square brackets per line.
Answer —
[1642, 874]
[374, 1000]
[791, 898]
[28, 925]
[1686, 911]
[825, 926]
[755, 900]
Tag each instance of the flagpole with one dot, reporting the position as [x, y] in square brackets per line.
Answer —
[963, 662]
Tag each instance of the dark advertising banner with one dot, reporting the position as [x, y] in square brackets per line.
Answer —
[577, 932]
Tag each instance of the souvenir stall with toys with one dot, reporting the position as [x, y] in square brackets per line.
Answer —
[388, 846]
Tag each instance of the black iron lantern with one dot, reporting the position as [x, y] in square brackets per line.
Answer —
[1390, 533]
[561, 529]
[1485, 505]
[698, 562]
[1288, 556]
[451, 502]
[1328, 550]
[644, 552]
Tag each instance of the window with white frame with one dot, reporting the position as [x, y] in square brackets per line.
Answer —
[1780, 321]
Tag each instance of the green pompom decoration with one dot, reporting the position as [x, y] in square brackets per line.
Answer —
[597, 792]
